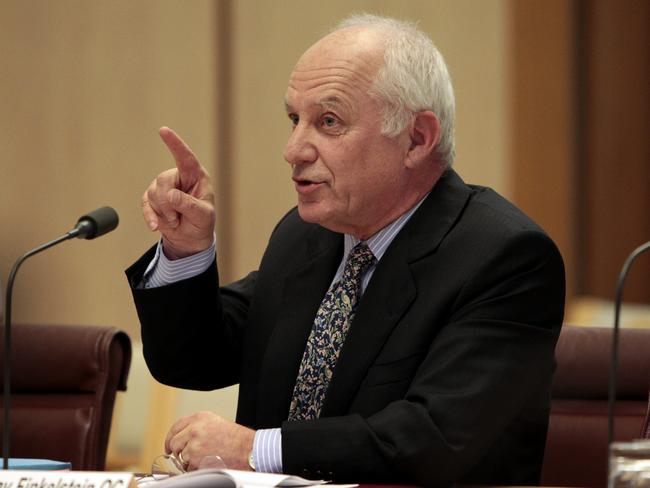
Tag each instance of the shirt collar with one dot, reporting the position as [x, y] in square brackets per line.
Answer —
[379, 242]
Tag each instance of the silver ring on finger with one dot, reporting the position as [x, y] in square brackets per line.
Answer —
[181, 460]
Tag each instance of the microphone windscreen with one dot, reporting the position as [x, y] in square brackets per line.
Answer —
[97, 223]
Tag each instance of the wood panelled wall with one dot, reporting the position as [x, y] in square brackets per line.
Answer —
[84, 87]
[543, 129]
[581, 151]
[615, 104]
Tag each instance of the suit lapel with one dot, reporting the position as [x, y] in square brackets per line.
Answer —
[303, 290]
[392, 288]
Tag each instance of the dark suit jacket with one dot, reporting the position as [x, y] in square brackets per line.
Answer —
[446, 371]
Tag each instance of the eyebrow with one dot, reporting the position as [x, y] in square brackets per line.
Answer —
[331, 102]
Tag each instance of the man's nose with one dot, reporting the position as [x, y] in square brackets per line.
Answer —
[300, 147]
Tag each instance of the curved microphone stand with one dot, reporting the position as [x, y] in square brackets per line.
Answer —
[617, 313]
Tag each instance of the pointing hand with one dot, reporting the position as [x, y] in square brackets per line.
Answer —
[179, 202]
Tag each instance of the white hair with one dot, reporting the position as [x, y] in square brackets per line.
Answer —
[413, 78]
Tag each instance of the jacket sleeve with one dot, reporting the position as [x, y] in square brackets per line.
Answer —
[192, 329]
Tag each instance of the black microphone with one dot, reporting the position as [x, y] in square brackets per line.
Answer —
[617, 313]
[93, 224]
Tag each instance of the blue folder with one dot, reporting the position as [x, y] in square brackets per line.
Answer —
[38, 464]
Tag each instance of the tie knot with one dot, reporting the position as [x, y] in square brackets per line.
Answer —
[359, 259]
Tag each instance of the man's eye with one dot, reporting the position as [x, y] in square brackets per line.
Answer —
[294, 119]
[329, 121]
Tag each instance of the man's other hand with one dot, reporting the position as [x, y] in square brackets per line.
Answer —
[207, 434]
[180, 202]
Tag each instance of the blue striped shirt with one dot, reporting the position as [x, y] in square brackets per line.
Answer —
[267, 445]
[162, 271]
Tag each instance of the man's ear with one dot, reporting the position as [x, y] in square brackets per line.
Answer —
[425, 135]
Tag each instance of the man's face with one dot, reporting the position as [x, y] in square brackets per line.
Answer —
[349, 177]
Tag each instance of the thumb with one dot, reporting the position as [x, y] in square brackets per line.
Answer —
[195, 210]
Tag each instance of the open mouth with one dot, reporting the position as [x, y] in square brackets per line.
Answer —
[305, 186]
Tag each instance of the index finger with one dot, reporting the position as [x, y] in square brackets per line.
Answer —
[178, 426]
[186, 161]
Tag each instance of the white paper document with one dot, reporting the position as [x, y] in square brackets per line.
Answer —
[231, 478]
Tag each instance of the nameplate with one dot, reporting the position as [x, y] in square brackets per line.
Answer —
[65, 479]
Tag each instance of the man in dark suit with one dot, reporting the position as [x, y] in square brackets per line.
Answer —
[429, 359]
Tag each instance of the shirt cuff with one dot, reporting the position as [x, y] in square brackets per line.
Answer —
[163, 271]
[267, 450]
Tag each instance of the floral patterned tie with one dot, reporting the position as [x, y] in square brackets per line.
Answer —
[331, 325]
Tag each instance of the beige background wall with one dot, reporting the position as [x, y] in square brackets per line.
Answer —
[85, 85]
[83, 88]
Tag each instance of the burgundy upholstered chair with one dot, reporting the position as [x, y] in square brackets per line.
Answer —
[64, 382]
[576, 447]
